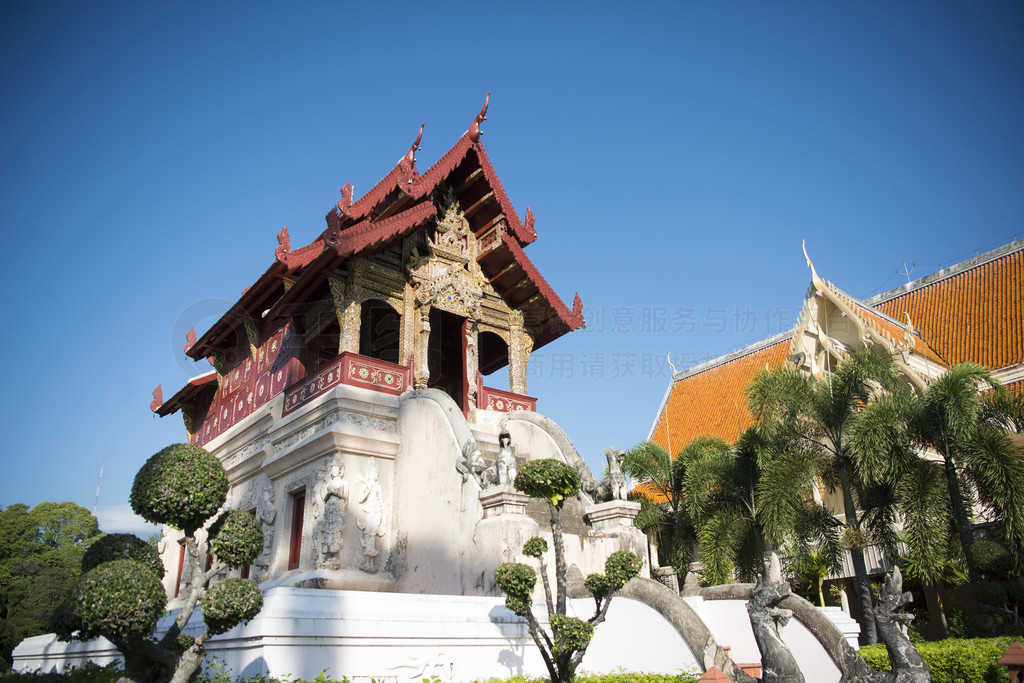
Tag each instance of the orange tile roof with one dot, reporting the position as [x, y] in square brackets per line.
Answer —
[712, 400]
[974, 315]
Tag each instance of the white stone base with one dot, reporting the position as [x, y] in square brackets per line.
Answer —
[503, 500]
[612, 515]
[393, 637]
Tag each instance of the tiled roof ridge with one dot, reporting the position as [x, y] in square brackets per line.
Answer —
[946, 273]
[733, 355]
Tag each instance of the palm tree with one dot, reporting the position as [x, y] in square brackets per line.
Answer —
[980, 462]
[660, 493]
[817, 421]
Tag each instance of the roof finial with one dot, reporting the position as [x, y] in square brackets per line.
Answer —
[190, 338]
[530, 221]
[158, 398]
[910, 325]
[410, 156]
[474, 130]
[345, 203]
[285, 243]
[814, 274]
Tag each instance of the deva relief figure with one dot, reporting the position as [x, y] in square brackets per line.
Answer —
[330, 500]
[374, 522]
[266, 512]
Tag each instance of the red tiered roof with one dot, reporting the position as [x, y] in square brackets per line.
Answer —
[397, 205]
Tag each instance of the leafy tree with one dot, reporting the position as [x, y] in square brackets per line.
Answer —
[120, 595]
[979, 460]
[40, 550]
[816, 420]
[660, 495]
[564, 646]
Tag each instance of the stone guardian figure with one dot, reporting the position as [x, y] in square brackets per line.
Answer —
[777, 662]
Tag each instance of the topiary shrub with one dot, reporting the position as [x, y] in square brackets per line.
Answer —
[98, 601]
[535, 547]
[236, 538]
[991, 559]
[548, 479]
[122, 547]
[516, 581]
[229, 603]
[182, 486]
[989, 593]
[562, 650]
[620, 567]
[571, 634]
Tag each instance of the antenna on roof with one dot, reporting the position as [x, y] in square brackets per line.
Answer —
[906, 272]
[96, 500]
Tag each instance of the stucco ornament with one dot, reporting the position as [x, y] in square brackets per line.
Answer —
[330, 500]
[374, 521]
[266, 512]
[777, 662]
[613, 486]
[503, 471]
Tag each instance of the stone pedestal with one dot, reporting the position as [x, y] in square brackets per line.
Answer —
[613, 515]
[666, 576]
[503, 500]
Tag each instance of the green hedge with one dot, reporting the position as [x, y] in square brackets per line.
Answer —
[953, 659]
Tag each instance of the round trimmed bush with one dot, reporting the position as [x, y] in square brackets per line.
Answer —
[182, 486]
[236, 538]
[516, 581]
[620, 567]
[596, 584]
[548, 479]
[571, 634]
[229, 603]
[991, 559]
[989, 593]
[122, 599]
[122, 547]
[535, 547]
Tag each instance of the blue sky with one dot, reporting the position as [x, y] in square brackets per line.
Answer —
[674, 154]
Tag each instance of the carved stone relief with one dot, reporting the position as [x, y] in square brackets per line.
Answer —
[374, 523]
[266, 513]
[330, 500]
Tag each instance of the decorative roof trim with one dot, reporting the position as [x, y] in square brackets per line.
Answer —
[300, 258]
[946, 273]
[191, 388]
[362, 235]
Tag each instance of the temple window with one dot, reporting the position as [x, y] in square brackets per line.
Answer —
[295, 544]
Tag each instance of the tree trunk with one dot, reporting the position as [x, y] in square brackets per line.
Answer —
[963, 521]
[560, 568]
[860, 569]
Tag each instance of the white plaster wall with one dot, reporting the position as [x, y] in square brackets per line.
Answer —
[399, 637]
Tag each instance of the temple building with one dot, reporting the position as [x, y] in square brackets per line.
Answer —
[972, 311]
[348, 400]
